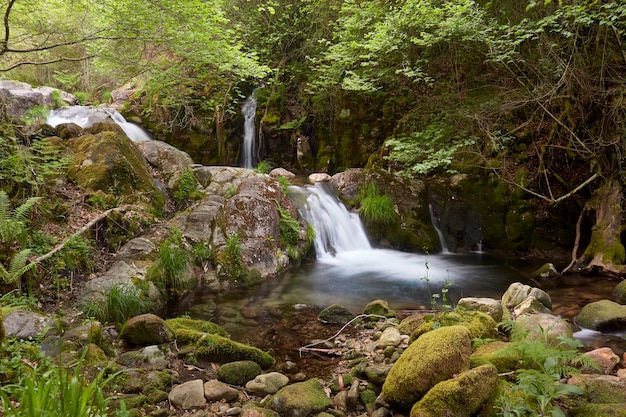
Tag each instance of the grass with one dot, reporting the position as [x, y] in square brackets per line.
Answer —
[376, 207]
[122, 302]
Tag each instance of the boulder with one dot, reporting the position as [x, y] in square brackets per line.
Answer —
[379, 308]
[619, 292]
[238, 372]
[266, 384]
[547, 271]
[480, 325]
[300, 399]
[541, 327]
[603, 316]
[601, 389]
[335, 314]
[489, 306]
[461, 396]
[390, 337]
[19, 97]
[24, 324]
[215, 390]
[188, 395]
[593, 410]
[319, 177]
[147, 329]
[605, 358]
[169, 161]
[503, 355]
[530, 305]
[434, 357]
[282, 172]
[139, 248]
[518, 292]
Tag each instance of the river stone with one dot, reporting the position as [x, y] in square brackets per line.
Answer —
[619, 292]
[266, 384]
[604, 357]
[601, 389]
[480, 325]
[335, 314]
[434, 357]
[377, 373]
[252, 410]
[215, 390]
[461, 396]
[518, 292]
[489, 306]
[379, 308]
[547, 271]
[24, 324]
[319, 177]
[540, 327]
[282, 172]
[603, 316]
[300, 399]
[188, 395]
[238, 372]
[147, 329]
[390, 337]
[530, 305]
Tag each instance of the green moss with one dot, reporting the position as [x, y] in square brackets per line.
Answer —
[368, 396]
[197, 325]
[347, 381]
[238, 372]
[500, 354]
[480, 325]
[299, 399]
[594, 410]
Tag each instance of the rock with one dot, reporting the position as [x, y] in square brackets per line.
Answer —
[251, 410]
[266, 384]
[300, 399]
[238, 372]
[461, 396]
[202, 326]
[377, 373]
[197, 224]
[592, 410]
[619, 292]
[603, 316]
[147, 329]
[202, 174]
[503, 355]
[19, 97]
[541, 327]
[434, 357]
[319, 177]
[335, 314]
[391, 337]
[188, 395]
[518, 292]
[168, 160]
[352, 397]
[605, 358]
[215, 390]
[601, 389]
[139, 248]
[282, 172]
[24, 324]
[530, 305]
[379, 308]
[489, 306]
[412, 322]
[480, 325]
[547, 271]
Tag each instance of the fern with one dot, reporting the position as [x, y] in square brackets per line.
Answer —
[18, 266]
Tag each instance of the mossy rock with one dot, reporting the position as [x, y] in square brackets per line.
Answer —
[503, 355]
[481, 325]
[595, 410]
[300, 399]
[335, 314]
[619, 292]
[109, 162]
[412, 322]
[602, 389]
[379, 308]
[238, 372]
[436, 356]
[197, 325]
[147, 329]
[603, 316]
[220, 349]
[254, 410]
[461, 396]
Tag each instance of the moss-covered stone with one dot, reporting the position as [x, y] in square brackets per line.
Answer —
[335, 314]
[604, 316]
[300, 399]
[503, 355]
[254, 410]
[412, 322]
[480, 325]
[147, 329]
[461, 396]
[379, 308]
[602, 389]
[595, 410]
[197, 325]
[436, 356]
[619, 292]
[219, 349]
[238, 372]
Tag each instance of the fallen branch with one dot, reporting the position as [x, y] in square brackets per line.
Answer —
[576, 242]
[80, 231]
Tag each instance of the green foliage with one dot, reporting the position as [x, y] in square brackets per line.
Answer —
[14, 300]
[289, 227]
[36, 115]
[264, 167]
[121, 302]
[186, 187]
[18, 267]
[76, 256]
[202, 253]
[234, 265]
[17, 359]
[284, 183]
[173, 263]
[376, 207]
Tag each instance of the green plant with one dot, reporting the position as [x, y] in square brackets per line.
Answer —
[289, 227]
[76, 256]
[121, 302]
[284, 183]
[19, 358]
[57, 100]
[172, 264]
[264, 167]
[376, 207]
[13, 300]
[185, 187]
[35, 115]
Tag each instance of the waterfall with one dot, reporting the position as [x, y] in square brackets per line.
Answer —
[336, 229]
[85, 117]
[248, 151]
[442, 240]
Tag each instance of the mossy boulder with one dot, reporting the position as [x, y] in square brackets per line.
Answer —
[603, 316]
[379, 308]
[461, 396]
[203, 326]
[518, 292]
[490, 306]
[480, 325]
[601, 389]
[619, 292]
[503, 355]
[300, 399]
[238, 372]
[335, 314]
[147, 329]
[595, 410]
[219, 349]
[434, 357]
[110, 162]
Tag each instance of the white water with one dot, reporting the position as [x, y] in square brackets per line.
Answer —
[248, 150]
[435, 223]
[85, 117]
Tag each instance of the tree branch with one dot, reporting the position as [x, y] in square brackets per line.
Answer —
[52, 61]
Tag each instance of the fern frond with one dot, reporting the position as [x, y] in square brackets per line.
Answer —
[21, 212]
[18, 266]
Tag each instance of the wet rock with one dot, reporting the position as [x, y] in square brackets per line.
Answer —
[379, 308]
[461, 396]
[238, 372]
[300, 399]
[24, 324]
[547, 271]
[188, 395]
[604, 316]
[335, 314]
[434, 357]
[518, 292]
[605, 358]
[541, 327]
[319, 177]
[619, 292]
[489, 306]
[215, 390]
[266, 384]
[147, 329]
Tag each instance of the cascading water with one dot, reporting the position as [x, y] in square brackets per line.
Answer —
[248, 151]
[85, 117]
[435, 223]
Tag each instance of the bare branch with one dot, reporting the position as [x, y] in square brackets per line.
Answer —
[52, 61]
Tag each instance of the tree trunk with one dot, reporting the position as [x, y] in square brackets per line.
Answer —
[605, 252]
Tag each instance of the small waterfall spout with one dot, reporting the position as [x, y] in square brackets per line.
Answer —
[248, 151]
[442, 240]
[336, 229]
